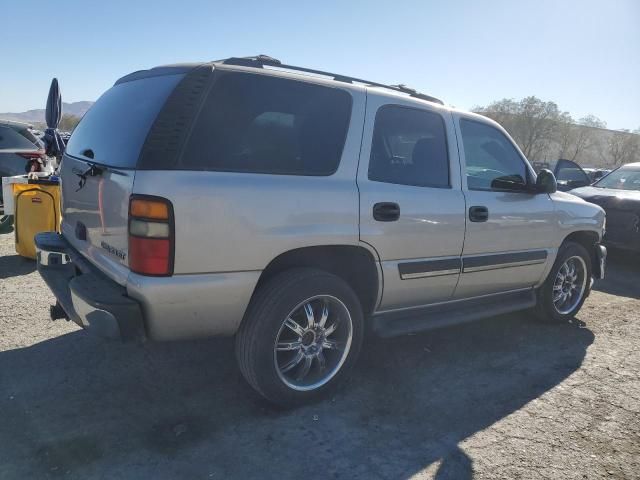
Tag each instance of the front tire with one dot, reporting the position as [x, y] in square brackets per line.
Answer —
[567, 285]
[300, 337]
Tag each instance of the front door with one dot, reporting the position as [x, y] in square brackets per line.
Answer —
[509, 229]
[570, 175]
[411, 205]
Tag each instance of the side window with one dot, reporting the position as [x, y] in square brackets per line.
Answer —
[263, 124]
[409, 147]
[489, 156]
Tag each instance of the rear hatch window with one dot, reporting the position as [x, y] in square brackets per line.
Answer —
[11, 139]
[114, 129]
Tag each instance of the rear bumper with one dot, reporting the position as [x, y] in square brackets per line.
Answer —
[90, 299]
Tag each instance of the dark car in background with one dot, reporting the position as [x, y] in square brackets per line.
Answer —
[596, 174]
[618, 193]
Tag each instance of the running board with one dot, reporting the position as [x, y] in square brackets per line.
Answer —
[402, 322]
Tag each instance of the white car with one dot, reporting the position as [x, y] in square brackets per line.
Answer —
[19, 144]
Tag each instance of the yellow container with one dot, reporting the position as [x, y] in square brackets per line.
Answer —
[36, 209]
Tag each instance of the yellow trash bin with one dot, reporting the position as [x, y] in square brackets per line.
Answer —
[36, 209]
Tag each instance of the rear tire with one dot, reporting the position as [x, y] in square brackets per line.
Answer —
[567, 286]
[300, 336]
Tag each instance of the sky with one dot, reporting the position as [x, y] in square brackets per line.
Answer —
[582, 54]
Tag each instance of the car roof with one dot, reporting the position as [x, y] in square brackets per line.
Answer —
[13, 124]
[265, 64]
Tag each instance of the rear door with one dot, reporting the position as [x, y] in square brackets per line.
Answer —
[411, 205]
[99, 165]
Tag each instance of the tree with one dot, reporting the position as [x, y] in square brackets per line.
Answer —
[68, 122]
[623, 147]
[533, 123]
[575, 138]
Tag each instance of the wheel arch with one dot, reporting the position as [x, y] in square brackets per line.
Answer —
[356, 265]
[588, 239]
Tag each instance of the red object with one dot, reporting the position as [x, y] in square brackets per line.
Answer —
[150, 256]
[38, 154]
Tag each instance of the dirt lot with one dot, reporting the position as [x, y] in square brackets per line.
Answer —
[504, 398]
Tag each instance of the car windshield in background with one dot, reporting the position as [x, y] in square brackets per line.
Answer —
[116, 126]
[621, 179]
[12, 139]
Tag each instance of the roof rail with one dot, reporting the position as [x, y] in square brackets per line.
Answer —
[261, 61]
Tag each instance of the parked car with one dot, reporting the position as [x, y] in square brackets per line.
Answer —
[570, 175]
[618, 193]
[595, 174]
[19, 145]
[294, 209]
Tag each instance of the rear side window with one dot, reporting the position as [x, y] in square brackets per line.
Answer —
[262, 124]
[116, 126]
[409, 147]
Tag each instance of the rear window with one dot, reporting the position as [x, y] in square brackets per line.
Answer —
[262, 124]
[116, 126]
[30, 136]
[10, 139]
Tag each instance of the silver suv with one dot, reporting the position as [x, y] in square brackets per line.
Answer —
[295, 209]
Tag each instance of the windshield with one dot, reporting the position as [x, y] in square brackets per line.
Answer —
[622, 179]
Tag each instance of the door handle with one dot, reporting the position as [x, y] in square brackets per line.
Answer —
[478, 214]
[386, 212]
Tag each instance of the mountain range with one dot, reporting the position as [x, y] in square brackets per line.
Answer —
[77, 109]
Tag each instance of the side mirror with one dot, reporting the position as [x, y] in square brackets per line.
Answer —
[546, 182]
[509, 183]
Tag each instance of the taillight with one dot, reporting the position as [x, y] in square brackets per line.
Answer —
[151, 235]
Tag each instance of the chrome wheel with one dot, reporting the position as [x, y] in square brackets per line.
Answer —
[313, 342]
[569, 285]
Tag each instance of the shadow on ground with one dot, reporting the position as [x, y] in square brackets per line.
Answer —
[75, 406]
[621, 275]
[15, 265]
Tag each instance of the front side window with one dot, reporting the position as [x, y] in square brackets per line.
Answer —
[263, 124]
[409, 147]
[492, 162]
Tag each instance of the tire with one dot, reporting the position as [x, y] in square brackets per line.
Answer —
[332, 345]
[548, 311]
[6, 222]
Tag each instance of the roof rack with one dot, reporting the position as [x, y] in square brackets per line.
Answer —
[262, 61]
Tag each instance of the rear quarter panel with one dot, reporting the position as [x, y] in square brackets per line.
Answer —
[230, 222]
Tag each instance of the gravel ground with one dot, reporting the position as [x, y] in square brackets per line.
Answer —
[503, 398]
